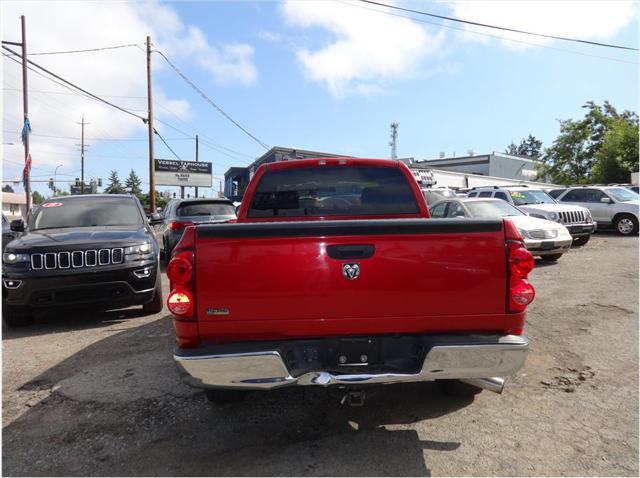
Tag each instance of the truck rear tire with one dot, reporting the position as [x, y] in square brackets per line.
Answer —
[551, 257]
[582, 240]
[457, 388]
[225, 396]
[157, 302]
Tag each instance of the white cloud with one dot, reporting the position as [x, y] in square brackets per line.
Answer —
[366, 48]
[588, 20]
[54, 111]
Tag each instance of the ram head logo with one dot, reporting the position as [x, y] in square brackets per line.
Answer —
[351, 270]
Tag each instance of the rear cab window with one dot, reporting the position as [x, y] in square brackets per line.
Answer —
[485, 194]
[208, 209]
[333, 191]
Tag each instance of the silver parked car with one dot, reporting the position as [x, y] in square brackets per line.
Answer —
[610, 206]
[538, 203]
[545, 239]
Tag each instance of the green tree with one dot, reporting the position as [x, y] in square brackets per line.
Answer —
[601, 147]
[133, 184]
[115, 186]
[37, 197]
[7, 189]
[160, 201]
[529, 147]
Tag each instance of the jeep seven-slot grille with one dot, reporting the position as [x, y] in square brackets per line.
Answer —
[76, 259]
[572, 217]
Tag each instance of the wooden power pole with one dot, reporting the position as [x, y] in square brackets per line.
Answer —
[152, 182]
[196, 161]
[82, 148]
[25, 109]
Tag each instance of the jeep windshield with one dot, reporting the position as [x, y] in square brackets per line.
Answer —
[492, 208]
[86, 212]
[522, 198]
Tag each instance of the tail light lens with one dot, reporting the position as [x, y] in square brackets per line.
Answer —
[179, 225]
[181, 300]
[180, 303]
[520, 264]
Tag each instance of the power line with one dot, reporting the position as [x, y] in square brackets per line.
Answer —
[513, 40]
[83, 51]
[78, 88]
[165, 143]
[452, 19]
[208, 100]
[93, 139]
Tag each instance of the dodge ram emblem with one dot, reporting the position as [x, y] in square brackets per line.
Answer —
[351, 271]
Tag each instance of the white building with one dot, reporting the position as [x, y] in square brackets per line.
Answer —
[14, 206]
[497, 165]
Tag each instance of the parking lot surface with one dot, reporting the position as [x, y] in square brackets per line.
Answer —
[88, 393]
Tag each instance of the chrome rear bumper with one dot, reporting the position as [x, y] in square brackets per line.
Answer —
[267, 370]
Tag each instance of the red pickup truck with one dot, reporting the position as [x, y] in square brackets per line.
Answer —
[334, 275]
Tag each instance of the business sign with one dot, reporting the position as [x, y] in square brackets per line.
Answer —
[169, 172]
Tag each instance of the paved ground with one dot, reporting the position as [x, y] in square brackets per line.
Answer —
[97, 394]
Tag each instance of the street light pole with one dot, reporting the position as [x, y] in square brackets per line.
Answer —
[55, 177]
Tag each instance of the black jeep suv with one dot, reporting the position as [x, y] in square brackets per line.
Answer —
[91, 250]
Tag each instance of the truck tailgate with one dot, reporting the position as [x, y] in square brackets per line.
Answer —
[280, 279]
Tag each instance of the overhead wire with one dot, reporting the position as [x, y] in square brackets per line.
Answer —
[209, 100]
[496, 27]
[475, 32]
[64, 52]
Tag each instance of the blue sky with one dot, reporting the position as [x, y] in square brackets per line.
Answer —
[329, 80]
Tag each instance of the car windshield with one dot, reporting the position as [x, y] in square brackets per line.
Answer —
[623, 194]
[333, 191]
[496, 208]
[87, 212]
[522, 198]
[207, 209]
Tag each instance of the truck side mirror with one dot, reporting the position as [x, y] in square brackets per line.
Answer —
[237, 209]
[605, 200]
[17, 225]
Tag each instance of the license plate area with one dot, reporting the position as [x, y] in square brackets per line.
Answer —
[546, 246]
[356, 352]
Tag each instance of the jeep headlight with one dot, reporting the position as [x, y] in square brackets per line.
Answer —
[588, 216]
[141, 249]
[553, 216]
[14, 258]
[523, 232]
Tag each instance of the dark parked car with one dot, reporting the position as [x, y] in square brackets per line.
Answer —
[7, 234]
[96, 250]
[180, 213]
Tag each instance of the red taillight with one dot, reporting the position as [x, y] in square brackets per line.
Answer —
[181, 300]
[180, 303]
[521, 292]
[179, 270]
[178, 225]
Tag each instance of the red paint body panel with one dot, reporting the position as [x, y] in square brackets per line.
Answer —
[269, 288]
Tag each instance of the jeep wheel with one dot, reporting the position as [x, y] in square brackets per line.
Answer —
[551, 257]
[156, 304]
[225, 396]
[457, 388]
[627, 225]
[582, 240]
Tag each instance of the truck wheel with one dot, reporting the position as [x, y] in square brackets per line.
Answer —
[156, 303]
[225, 396]
[551, 257]
[457, 388]
[13, 317]
[626, 224]
[582, 240]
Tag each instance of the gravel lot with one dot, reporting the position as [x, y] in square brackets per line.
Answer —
[98, 394]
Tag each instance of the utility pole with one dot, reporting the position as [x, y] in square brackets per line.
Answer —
[152, 182]
[394, 140]
[25, 109]
[82, 148]
[196, 161]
